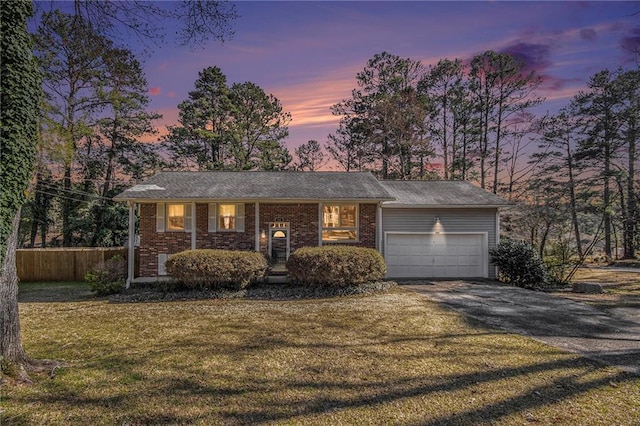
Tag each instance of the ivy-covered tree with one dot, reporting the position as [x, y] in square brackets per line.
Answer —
[20, 90]
[21, 94]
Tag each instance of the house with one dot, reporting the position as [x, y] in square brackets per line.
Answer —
[424, 229]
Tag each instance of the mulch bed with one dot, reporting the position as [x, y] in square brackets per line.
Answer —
[160, 293]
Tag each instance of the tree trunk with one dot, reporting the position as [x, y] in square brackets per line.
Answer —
[67, 209]
[572, 201]
[14, 360]
[445, 145]
[606, 198]
[632, 215]
[496, 154]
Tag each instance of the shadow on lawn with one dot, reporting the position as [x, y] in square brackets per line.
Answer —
[289, 399]
[372, 394]
[54, 292]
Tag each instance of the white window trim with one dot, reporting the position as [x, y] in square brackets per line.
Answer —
[346, 228]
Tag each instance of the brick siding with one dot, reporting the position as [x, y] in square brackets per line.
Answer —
[303, 220]
[304, 231]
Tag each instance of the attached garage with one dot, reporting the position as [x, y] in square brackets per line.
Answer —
[441, 255]
[439, 229]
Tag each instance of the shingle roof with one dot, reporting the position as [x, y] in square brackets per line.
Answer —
[258, 186]
[440, 193]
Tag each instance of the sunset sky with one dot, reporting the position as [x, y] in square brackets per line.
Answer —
[307, 53]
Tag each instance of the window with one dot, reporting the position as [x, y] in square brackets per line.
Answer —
[226, 217]
[339, 223]
[227, 214]
[175, 217]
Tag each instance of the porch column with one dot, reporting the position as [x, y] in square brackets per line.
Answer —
[194, 226]
[131, 243]
[257, 227]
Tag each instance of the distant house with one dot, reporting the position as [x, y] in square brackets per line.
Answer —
[424, 229]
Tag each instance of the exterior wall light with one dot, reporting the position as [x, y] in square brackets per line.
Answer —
[437, 219]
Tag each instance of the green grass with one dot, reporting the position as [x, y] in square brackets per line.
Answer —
[393, 358]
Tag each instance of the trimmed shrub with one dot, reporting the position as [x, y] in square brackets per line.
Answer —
[107, 277]
[519, 264]
[212, 269]
[336, 265]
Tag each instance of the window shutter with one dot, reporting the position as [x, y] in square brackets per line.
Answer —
[188, 217]
[162, 259]
[160, 217]
[240, 218]
[212, 217]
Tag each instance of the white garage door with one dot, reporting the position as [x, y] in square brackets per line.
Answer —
[435, 255]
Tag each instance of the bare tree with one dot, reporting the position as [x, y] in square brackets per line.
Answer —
[501, 89]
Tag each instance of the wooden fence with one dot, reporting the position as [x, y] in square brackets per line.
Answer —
[61, 264]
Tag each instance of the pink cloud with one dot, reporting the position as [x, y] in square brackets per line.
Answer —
[154, 91]
[171, 94]
[310, 102]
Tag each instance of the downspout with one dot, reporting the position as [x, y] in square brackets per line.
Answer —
[379, 227]
[131, 244]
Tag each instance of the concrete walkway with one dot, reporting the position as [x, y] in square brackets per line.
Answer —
[560, 322]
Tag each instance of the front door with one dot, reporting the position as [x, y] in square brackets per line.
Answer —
[279, 246]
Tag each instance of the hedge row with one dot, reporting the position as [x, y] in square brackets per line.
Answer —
[214, 269]
[336, 265]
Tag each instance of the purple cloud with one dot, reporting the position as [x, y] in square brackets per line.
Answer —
[534, 56]
[588, 34]
[631, 42]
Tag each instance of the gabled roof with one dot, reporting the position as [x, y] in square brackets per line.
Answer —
[439, 193]
[293, 186]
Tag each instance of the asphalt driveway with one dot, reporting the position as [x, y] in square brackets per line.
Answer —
[610, 338]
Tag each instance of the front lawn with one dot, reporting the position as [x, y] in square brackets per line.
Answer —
[392, 358]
